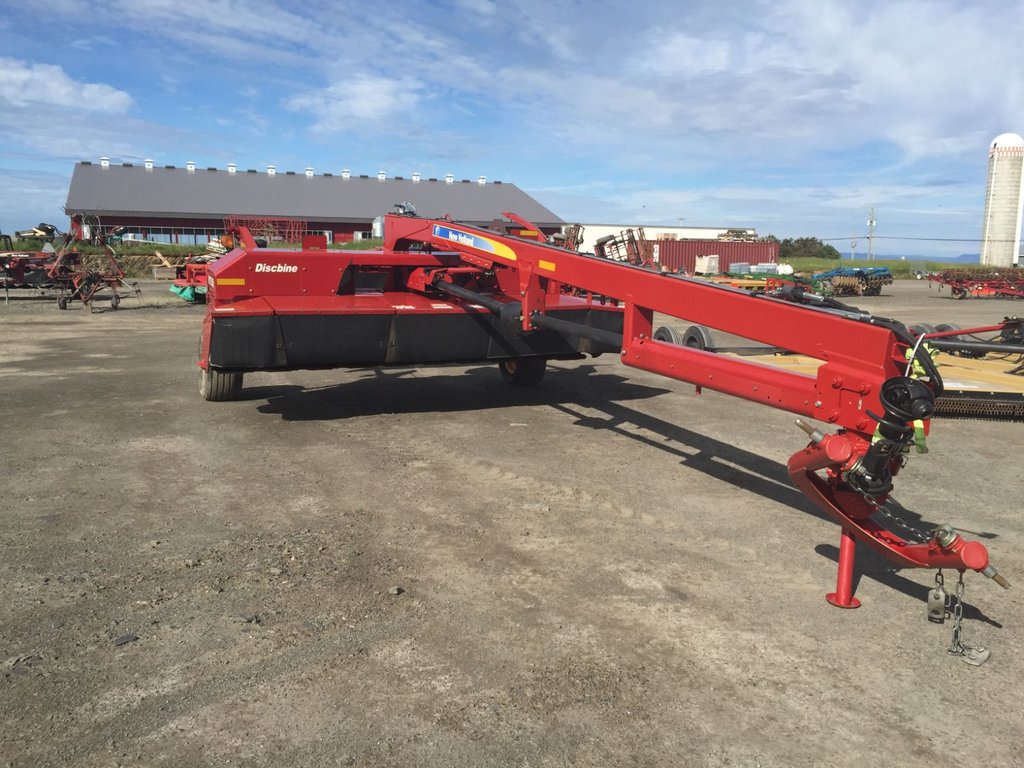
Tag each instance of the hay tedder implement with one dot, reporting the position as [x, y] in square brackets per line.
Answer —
[442, 292]
[62, 269]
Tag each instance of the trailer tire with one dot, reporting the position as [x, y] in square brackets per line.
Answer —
[115, 301]
[523, 371]
[668, 334]
[961, 353]
[698, 337]
[918, 328]
[62, 302]
[219, 386]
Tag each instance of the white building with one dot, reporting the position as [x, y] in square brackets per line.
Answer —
[1004, 202]
[594, 232]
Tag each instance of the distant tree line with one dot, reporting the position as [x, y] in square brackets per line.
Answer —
[803, 248]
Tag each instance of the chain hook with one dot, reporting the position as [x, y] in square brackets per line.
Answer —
[975, 656]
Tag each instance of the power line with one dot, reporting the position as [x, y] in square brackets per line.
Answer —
[924, 239]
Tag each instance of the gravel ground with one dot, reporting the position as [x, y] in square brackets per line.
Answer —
[428, 568]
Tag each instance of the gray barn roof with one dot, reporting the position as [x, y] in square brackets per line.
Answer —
[125, 190]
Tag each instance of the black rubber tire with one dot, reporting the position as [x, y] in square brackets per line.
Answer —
[698, 337]
[62, 302]
[523, 371]
[955, 327]
[668, 334]
[219, 386]
[115, 301]
[918, 328]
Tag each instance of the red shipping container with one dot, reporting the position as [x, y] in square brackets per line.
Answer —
[681, 255]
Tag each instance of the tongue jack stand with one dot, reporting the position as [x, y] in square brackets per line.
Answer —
[843, 596]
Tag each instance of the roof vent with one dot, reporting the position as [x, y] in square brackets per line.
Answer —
[346, 173]
[104, 162]
[271, 170]
[481, 180]
[232, 169]
[449, 178]
[309, 172]
[191, 166]
[381, 175]
[149, 164]
[415, 177]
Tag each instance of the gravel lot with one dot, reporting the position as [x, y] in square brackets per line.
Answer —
[429, 568]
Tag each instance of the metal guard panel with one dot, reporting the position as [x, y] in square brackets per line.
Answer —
[279, 342]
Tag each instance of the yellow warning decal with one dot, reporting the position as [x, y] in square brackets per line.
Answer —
[230, 281]
[548, 265]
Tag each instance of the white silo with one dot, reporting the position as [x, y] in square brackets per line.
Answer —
[1004, 202]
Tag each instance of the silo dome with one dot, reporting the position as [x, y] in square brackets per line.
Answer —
[1004, 140]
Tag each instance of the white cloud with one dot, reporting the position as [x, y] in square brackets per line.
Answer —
[483, 7]
[682, 54]
[23, 84]
[362, 98]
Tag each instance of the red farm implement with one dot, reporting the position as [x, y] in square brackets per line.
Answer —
[442, 292]
[981, 283]
[78, 282]
[25, 270]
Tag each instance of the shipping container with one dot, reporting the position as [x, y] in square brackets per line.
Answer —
[681, 255]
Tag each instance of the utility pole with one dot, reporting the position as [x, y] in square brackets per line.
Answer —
[853, 248]
[871, 234]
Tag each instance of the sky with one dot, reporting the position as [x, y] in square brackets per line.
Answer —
[792, 116]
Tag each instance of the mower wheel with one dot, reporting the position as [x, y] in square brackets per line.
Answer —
[921, 328]
[668, 334]
[219, 386]
[698, 337]
[62, 302]
[523, 371]
[115, 301]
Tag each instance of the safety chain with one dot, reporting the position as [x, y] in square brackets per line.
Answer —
[938, 604]
[911, 533]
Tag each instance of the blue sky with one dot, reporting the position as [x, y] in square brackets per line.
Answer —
[792, 116]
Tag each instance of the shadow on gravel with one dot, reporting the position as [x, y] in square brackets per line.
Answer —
[722, 461]
[385, 391]
[570, 391]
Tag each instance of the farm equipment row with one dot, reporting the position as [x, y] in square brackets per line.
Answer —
[442, 292]
[980, 283]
